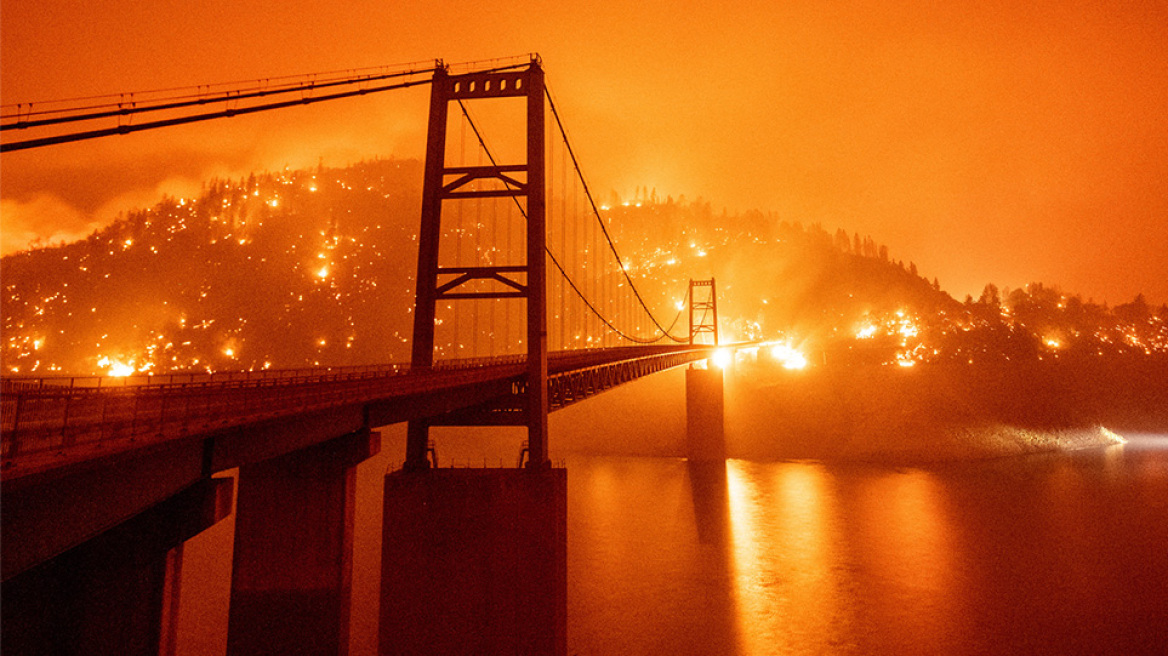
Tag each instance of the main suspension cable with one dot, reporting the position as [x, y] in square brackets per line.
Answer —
[596, 213]
[127, 106]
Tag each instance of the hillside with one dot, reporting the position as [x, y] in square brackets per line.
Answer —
[315, 268]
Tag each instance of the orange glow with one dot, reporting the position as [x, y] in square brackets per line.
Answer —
[784, 585]
[910, 539]
[723, 357]
[116, 368]
[789, 357]
[1020, 119]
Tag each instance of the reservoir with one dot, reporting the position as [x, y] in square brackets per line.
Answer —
[1049, 551]
[1063, 553]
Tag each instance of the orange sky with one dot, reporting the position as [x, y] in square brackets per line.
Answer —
[1010, 143]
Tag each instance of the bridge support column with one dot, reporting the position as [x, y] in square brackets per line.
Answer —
[704, 420]
[292, 568]
[116, 593]
[474, 561]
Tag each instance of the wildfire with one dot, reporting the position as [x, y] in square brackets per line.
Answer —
[117, 368]
[789, 357]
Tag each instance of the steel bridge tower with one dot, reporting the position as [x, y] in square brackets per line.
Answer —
[527, 281]
[707, 320]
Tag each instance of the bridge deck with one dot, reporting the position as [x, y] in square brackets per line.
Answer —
[58, 420]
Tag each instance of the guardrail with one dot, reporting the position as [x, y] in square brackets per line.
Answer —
[21, 383]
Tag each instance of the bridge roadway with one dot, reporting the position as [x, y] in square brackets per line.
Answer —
[81, 456]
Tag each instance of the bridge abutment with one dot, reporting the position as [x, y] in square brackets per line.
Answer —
[474, 561]
[292, 567]
[116, 593]
[704, 416]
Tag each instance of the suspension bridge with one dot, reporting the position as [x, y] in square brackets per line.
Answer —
[104, 478]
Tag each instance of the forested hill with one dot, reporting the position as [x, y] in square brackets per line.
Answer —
[315, 268]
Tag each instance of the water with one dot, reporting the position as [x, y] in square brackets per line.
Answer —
[1054, 553]
[1057, 554]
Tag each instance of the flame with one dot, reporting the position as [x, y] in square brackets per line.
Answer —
[789, 357]
[119, 369]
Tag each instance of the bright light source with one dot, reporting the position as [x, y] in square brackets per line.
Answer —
[722, 358]
[789, 357]
[120, 369]
[1117, 438]
[323, 273]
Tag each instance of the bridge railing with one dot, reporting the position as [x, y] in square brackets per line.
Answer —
[25, 383]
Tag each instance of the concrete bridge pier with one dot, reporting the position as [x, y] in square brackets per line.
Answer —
[474, 561]
[117, 593]
[704, 417]
[292, 568]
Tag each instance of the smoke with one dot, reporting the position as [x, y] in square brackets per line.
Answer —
[42, 219]
[876, 414]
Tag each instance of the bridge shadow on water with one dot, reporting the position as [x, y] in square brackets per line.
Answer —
[711, 502]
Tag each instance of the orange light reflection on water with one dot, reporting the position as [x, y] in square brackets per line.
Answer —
[782, 558]
[907, 544]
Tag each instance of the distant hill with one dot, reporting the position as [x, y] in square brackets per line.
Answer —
[780, 277]
[279, 270]
[315, 268]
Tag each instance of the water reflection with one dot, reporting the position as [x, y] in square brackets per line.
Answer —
[900, 538]
[1051, 554]
[842, 560]
[708, 485]
[786, 538]
[648, 569]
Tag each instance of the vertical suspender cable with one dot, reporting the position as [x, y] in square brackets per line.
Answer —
[563, 245]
